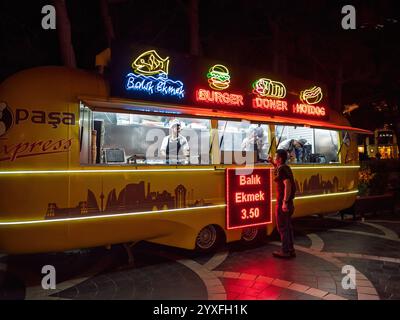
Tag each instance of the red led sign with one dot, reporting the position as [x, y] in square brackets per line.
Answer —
[248, 197]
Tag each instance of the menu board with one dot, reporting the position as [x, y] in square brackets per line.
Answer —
[248, 197]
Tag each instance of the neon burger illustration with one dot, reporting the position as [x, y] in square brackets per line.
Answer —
[218, 77]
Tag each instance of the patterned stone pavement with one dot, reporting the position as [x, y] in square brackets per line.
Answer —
[324, 245]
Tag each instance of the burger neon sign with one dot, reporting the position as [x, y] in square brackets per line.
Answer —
[219, 79]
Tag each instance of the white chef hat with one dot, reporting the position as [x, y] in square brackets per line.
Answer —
[174, 122]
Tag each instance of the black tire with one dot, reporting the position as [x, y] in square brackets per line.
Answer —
[208, 239]
[253, 235]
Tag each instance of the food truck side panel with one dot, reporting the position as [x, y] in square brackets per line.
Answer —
[77, 209]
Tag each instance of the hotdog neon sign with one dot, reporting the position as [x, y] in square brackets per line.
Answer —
[311, 96]
[309, 110]
[308, 107]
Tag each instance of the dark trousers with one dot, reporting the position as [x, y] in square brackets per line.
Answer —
[284, 225]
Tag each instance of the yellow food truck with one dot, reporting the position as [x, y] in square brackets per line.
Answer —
[162, 147]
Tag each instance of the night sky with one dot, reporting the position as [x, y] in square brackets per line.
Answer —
[238, 32]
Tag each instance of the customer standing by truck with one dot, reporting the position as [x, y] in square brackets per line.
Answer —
[285, 193]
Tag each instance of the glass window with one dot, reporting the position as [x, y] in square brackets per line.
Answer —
[308, 145]
[242, 142]
[124, 138]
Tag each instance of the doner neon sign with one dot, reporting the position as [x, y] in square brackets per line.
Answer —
[268, 96]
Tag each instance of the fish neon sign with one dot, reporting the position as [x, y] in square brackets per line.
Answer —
[312, 95]
[219, 77]
[150, 63]
[150, 76]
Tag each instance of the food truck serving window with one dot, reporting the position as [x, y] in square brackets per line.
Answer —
[125, 138]
[243, 142]
[308, 145]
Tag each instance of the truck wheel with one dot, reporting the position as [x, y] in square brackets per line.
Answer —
[208, 239]
[252, 235]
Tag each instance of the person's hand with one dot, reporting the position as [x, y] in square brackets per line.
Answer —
[269, 159]
[285, 207]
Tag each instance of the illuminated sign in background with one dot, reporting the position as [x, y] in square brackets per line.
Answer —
[271, 89]
[219, 79]
[151, 76]
[248, 197]
[310, 98]
[268, 95]
[156, 75]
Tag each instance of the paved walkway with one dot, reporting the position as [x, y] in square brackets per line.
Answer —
[324, 246]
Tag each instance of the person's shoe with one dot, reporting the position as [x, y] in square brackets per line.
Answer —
[281, 254]
[292, 254]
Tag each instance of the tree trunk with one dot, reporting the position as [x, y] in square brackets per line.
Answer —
[64, 34]
[108, 25]
[195, 47]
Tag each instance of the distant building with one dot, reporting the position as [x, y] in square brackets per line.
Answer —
[180, 197]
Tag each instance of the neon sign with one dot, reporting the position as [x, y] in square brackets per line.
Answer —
[311, 96]
[269, 93]
[150, 63]
[151, 76]
[267, 88]
[223, 98]
[248, 197]
[270, 104]
[309, 110]
[151, 85]
[218, 77]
